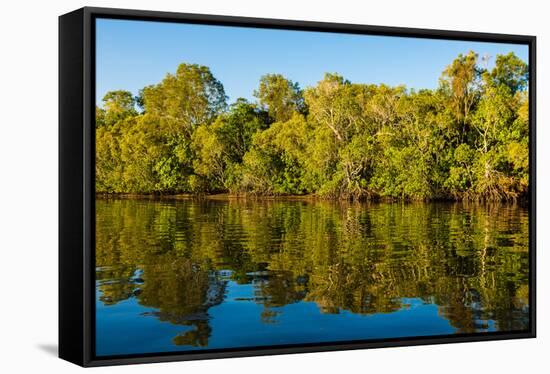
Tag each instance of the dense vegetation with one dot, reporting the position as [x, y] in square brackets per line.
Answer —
[467, 139]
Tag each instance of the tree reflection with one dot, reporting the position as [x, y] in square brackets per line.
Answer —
[176, 257]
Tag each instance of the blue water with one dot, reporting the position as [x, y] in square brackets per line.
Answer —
[200, 275]
[123, 329]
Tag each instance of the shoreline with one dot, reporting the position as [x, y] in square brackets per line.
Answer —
[306, 197]
[218, 196]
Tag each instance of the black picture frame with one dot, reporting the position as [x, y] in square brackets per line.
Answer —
[77, 196]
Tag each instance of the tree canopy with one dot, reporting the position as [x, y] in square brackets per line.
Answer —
[466, 139]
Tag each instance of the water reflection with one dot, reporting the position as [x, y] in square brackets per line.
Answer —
[195, 274]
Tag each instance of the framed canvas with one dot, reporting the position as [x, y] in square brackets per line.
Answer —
[236, 186]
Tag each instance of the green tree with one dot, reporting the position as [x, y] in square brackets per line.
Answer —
[274, 164]
[332, 104]
[280, 96]
[511, 72]
[468, 139]
[190, 97]
[461, 82]
[117, 106]
[220, 147]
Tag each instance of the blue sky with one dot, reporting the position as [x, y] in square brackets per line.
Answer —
[133, 54]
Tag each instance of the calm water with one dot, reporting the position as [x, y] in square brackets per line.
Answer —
[187, 275]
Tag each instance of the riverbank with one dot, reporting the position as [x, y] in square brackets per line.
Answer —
[219, 196]
[305, 197]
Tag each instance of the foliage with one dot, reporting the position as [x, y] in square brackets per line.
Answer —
[280, 96]
[117, 106]
[467, 139]
[190, 97]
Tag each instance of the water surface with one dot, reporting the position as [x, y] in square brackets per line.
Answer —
[178, 275]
